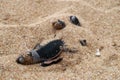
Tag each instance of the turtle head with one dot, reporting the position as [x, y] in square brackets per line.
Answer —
[25, 59]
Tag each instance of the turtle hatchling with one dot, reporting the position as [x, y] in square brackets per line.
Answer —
[58, 24]
[74, 20]
[46, 55]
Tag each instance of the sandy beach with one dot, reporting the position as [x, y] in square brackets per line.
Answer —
[24, 23]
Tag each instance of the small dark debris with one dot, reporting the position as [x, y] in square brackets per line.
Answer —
[74, 20]
[101, 48]
[114, 44]
[54, 35]
[83, 42]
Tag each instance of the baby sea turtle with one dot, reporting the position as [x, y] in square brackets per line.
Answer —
[74, 20]
[58, 24]
[46, 55]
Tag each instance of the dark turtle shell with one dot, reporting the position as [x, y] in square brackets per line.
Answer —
[50, 50]
[74, 20]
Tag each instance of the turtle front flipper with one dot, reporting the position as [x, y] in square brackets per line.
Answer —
[37, 46]
[50, 62]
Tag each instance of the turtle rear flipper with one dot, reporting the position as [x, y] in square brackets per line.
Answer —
[50, 62]
[67, 48]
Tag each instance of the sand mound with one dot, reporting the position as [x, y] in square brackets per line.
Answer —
[23, 23]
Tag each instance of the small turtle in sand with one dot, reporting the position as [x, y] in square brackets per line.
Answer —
[46, 55]
[58, 24]
[74, 20]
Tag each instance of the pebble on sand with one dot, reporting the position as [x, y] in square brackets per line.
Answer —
[98, 54]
